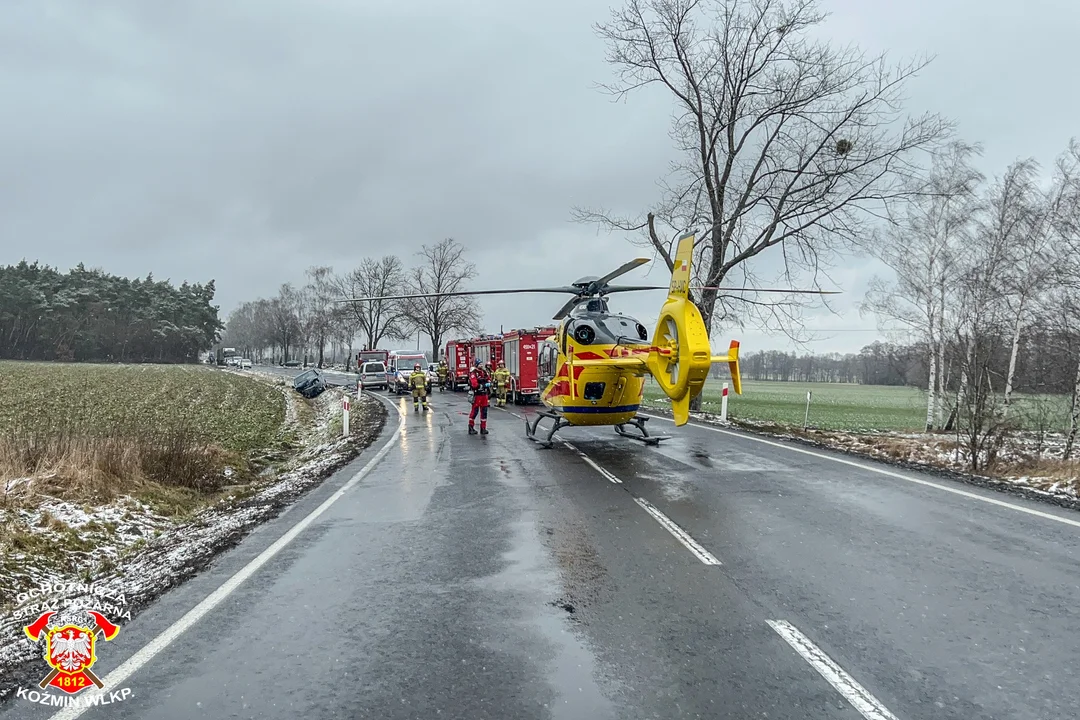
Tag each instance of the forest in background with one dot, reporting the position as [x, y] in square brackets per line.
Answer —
[92, 316]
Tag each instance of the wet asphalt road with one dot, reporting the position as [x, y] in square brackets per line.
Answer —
[483, 577]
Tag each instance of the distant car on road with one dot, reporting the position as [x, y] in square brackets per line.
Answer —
[373, 376]
[309, 383]
[245, 364]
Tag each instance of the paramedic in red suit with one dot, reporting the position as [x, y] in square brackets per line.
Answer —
[480, 384]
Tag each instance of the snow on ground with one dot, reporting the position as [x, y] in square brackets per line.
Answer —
[127, 551]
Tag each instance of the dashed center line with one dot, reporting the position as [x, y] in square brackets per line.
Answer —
[593, 464]
[695, 548]
[681, 535]
[859, 697]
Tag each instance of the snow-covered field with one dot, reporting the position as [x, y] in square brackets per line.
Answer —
[129, 553]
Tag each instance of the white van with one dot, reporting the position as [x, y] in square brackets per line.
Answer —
[373, 375]
[401, 364]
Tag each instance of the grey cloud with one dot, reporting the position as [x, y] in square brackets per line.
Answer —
[246, 140]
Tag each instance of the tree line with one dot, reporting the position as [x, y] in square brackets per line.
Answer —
[316, 320]
[1044, 364]
[987, 279]
[89, 315]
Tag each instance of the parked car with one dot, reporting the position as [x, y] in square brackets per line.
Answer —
[373, 375]
[245, 364]
[309, 383]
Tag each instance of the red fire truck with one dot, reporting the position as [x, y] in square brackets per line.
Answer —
[458, 361]
[531, 362]
[488, 348]
[371, 356]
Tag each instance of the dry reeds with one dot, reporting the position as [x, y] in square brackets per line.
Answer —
[78, 462]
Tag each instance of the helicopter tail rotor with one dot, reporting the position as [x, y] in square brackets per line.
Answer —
[681, 355]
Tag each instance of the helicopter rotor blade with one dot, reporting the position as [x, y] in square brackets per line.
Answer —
[565, 309]
[630, 288]
[621, 270]
[561, 290]
[766, 290]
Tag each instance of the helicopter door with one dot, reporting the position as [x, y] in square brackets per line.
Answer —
[616, 395]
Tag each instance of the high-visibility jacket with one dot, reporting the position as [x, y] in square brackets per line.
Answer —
[418, 379]
[442, 370]
[502, 377]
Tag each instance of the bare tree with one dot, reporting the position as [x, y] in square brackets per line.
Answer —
[1065, 221]
[1019, 219]
[376, 319]
[787, 142]
[319, 301]
[442, 269]
[284, 316]
[921, 248]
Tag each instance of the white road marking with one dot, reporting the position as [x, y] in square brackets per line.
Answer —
[159, 643]
[859, 697]
[595, 467]
[889, 473]
[681, 535]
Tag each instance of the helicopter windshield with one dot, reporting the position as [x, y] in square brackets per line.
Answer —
[606, 329]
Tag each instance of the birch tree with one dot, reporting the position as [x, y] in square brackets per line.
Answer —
[1017, 225]
[787, 144]
[921, 248]
[1065, 221]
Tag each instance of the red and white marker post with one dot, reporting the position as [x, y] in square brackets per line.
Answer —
[345, 416]
[723, 404]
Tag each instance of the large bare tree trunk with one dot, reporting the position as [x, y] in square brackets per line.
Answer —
[1012, 358]
[961, 392]
[1074, 416]
[941, 381]
[931, 399]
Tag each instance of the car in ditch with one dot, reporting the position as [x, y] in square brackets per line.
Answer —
[309, 383]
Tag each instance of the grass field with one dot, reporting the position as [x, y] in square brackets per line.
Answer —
[844, 406]
[90, 431]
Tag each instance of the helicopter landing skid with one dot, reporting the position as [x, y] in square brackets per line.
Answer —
[530, 429]
[644, 436]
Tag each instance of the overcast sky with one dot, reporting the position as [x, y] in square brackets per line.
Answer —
[244, 140]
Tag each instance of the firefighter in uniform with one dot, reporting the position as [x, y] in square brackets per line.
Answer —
[502, 382]
[480, 384]
[418, 380]
[443, 372]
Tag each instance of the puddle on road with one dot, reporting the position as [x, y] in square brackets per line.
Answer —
[569, 666]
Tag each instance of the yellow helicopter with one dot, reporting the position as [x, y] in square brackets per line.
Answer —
[603, 357]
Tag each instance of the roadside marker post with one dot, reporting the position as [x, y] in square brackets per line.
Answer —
[345, 416]
[723, 404]
[806, 418]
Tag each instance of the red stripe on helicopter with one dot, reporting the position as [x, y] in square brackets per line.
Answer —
[588, 355]
[560, 388]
